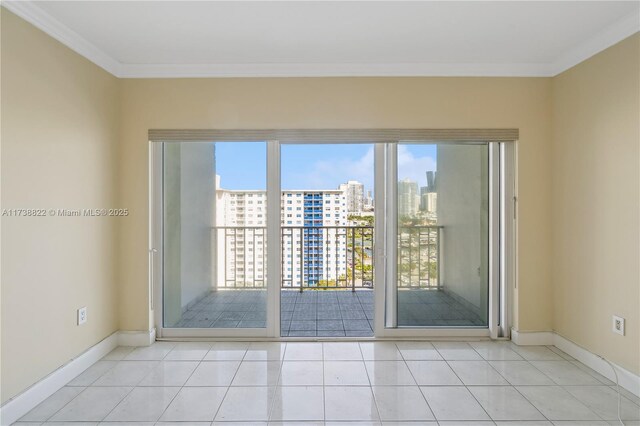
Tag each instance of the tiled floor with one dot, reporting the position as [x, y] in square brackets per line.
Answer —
[341, 383]
[325, 313]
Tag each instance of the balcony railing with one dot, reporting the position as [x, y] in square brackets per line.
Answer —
[323, 257]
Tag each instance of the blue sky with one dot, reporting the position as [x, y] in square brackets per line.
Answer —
[315, 166]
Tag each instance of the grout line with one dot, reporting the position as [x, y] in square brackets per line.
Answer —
[417, 385]
[465, 385]
[183, 385]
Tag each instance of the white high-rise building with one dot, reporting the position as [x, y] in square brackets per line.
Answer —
[314, 247]
[408, 197]
[354, 193]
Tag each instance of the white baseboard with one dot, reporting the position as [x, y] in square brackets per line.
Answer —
[628, 380]
[136, 338]
[528, 338]
[24, 402]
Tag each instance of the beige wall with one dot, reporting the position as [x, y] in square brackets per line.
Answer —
[523, 103]
[59, 131]
[595, 202]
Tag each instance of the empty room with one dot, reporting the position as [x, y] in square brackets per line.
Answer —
[320, 213]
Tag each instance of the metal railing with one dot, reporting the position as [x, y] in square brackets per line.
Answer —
[327, 257]
[419, 257]
[323, 257]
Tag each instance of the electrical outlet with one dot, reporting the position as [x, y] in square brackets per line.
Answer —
[82, 315]
[618, 325]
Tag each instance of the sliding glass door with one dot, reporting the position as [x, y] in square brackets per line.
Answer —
[302, 240]
[214, 238]
[442, 224]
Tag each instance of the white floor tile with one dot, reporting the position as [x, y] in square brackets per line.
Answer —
[456, 351]
[599, 377]
[169, 373]
[213, 373]
[389, 373]
[246, 404]
[418, 351]
[126, 373]
[188, 351]
[118, 353]
[350, 403]
[630, 396]
[556, 403]
[477, 373]
[92, 404]
[505, 403]
[227, 351]
[453, 403]
[257, 373]
[299, 403]
[430, 373]
[119, 424]
[565, 373]
[93, 373]
[240, 424]
[242, 383]
[155, 352]
[423, 423]
[182, 424]
[143, 404]
[265, 351]
[604, 402]
[463, 423]
[303, 352]
[536, 353]
[401, 403]
[380, 351]
[339, 351]
[345, 373]
[521, 373]
[197, 404]
[358, 423]
[308, 373]
[562, 353]
[496, 351]
[51, 405]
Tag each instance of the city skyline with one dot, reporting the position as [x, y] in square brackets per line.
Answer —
[317, 166]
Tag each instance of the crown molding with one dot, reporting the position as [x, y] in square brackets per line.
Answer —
[333, 70]
[40, 19]
[606, 38]
[609, 36]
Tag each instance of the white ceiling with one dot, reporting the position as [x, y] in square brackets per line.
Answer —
[300, 38]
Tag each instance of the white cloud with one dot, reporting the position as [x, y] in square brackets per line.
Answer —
[325, 174]
[414, 167]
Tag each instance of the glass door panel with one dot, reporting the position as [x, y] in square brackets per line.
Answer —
[214, 235]
[442, 219]
[327, 218]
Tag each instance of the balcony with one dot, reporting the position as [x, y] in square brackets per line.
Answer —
[326, 282]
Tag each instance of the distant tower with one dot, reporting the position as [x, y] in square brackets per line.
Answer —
[431, 181]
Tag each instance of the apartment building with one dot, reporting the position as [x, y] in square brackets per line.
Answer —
[354, 193]
[314, 241]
